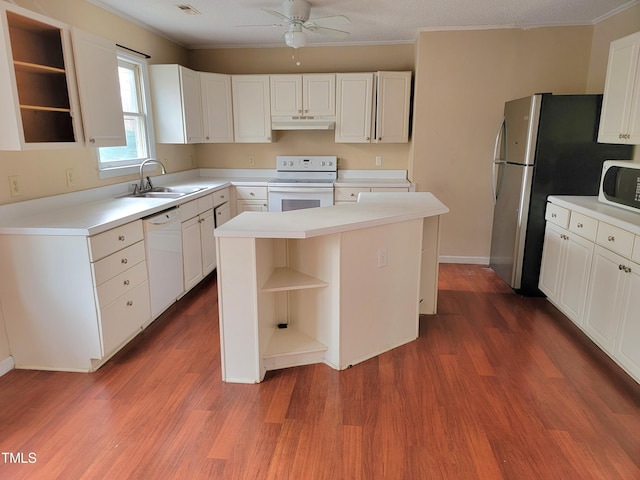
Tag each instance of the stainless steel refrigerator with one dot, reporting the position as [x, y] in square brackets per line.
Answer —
[545, 146]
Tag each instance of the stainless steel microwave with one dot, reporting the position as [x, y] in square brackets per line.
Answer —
[620, 184]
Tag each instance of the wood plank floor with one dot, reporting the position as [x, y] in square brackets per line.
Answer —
[496, 387]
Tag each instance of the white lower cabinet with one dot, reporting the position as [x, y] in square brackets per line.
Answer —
[564, 272]
[627, 346]
[592, 278]
[198, 243]
[92, 296]
[604, 307]
[251, 199]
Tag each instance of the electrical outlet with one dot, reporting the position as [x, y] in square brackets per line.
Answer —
[252, 161]
[378, 161]
[70, 178]
[382, 257]
[14, 186]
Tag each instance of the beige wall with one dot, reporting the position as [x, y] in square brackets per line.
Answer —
[312, 60]
[42, 173]
[464, 78]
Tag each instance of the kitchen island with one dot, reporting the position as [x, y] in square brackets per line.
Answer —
[336, 284]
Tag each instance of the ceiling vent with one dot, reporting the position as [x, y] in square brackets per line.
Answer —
[188, 9]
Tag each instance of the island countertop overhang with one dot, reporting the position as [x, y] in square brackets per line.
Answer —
[372, 209]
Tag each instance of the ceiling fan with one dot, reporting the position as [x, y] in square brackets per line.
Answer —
[296, 16]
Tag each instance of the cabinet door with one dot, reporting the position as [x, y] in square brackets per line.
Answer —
[552, 256]
[319, 94]
[619, 88]
[191, 252]
[251, 206]
[217, 113]
[38, 92]
[99, 88]
[392, 107]
[192, 106]
[286, 95]
[354, 103]
[251, 108]
[604, 297]
[207, 241]
[175, 93]
[575, 276]
[628, 342]
[223, 214]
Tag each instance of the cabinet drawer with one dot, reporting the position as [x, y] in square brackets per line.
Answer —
[584, 226]
[557, 215]
[121, 319]
[635, 256]
[111, 241]
[205, 203]
[389, 189]
[117, 263]
[615, 239]
[121, 284]
[348, 194]
[188, 210]
[220, 197]
[251, 193]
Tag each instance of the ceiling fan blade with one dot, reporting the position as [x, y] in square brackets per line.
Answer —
[263, 25]
[332, 21]
[330, 32]
[276, 14]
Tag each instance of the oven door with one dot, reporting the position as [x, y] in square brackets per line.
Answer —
[282, 199]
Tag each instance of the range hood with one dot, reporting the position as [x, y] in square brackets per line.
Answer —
[302, 123]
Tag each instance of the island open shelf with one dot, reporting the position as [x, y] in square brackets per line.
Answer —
[319, 272]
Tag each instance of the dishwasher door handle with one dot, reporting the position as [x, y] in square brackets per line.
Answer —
[164, 218]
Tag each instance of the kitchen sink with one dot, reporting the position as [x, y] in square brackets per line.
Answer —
[167, 192]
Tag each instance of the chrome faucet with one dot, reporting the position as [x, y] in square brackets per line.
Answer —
[141, 186]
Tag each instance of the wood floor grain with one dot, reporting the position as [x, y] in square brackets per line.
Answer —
[496, 387]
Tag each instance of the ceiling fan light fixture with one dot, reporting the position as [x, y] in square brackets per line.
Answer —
[295, 38]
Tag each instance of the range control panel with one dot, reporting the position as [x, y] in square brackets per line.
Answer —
[312, 163]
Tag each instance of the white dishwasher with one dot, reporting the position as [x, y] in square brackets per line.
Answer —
[163, 244]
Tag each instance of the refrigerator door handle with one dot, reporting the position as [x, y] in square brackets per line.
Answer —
[497, 161]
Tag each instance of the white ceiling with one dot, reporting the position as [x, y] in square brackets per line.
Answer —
[373, 21]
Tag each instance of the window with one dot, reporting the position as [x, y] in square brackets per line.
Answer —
[134, 93]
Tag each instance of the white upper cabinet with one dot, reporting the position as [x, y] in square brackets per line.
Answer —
[37, 82]
[362, 117]
[393, 96]
[354, 103]
[96, 64]
[251, 108]
[620, 117]
[306, 95]
[177, 104]
[217, 113]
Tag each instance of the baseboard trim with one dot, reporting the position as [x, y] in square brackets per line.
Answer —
[7, 365]
[469, 260]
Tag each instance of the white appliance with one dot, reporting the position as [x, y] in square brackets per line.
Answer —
[163, 244]
[302, 182]
[620, 184]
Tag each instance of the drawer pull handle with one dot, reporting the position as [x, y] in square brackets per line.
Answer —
[126, 282]
[611, 238]
[121, 238]
[353, 195]
[553, 215]
[252, 194]
[222, 197]
[130, 303]
[620, 267]
[124, 261]
[580, 225]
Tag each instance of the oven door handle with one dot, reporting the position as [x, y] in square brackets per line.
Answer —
[300, 189]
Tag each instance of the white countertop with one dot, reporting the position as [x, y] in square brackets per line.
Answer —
[372, 178]
[372, 209]
[96, 210]
[589, 205]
